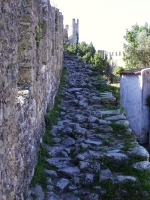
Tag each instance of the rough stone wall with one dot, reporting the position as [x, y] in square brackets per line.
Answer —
[31, 49]
[113, 58]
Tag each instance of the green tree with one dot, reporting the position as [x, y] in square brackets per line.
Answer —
[82, 49]
[91, 49]
[143, 48]
[88, 53]
[117, 70]
[87, 57]
[71, 48]
[135, 52]
[99, 63]
[85, 51]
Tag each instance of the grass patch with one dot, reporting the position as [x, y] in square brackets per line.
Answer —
[126, 167]
[127, 190]
[105, 115]
[51, 115]
[39, 175]
[118, 128]
[127, 145]
[110, 187]
[81, 150]
[110, 88]
[105, 143]
[120, 133]
[72, 155]
[105, 162]
[50, 119]
[108, 106]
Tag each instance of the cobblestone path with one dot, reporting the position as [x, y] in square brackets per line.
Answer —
[95, 155]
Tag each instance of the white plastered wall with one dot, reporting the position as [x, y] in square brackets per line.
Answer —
[134, 90]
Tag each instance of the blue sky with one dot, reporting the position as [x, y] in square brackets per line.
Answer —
[104, 22]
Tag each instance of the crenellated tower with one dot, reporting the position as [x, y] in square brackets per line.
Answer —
[74, 38]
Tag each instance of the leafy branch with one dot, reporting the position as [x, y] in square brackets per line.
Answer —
[39, 29]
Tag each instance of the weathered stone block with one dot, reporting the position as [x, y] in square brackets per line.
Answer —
[26, 61]
[1, 116]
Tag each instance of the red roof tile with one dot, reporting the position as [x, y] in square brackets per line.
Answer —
[132, 71]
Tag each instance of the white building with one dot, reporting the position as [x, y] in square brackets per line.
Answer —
[134, 89]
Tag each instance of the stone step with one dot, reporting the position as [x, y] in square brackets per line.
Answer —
[86, 151]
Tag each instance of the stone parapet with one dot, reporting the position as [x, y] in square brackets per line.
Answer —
[31, 55]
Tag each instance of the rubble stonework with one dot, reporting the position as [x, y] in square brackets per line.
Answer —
[88, 156]
[31, 48]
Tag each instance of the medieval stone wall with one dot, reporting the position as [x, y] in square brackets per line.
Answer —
[31, 48]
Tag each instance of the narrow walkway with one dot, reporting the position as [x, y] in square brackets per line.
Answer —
[95, 155]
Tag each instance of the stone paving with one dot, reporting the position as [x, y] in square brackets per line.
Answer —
[87, 152]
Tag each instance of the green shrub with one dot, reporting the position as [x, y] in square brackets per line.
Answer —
[117, 70]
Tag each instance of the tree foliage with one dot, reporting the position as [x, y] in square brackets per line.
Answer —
[88, 53]
[99, 63]
[117, 70]
[85, 51]
[137, 48]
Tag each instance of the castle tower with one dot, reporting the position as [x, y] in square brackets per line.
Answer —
[74, 38]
